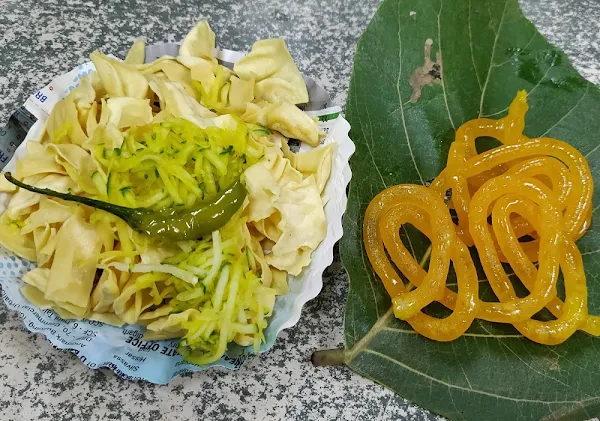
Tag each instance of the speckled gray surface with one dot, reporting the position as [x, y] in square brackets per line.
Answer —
[39, 40]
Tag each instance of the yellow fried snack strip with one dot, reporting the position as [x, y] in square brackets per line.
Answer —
[512, 309]
[524, 203]
[428, 283]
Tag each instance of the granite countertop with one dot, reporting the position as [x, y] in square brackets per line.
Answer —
[39, 40]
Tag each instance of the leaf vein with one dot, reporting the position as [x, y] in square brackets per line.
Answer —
[471, 47]
[537, 85]
[481, 392]
[439, 30]
[529, 366]
[408, 143]
[569, 113]
[368, 145]
[361, 345]
[362, 255]
[487, 79]
[590, 252]
[466, 334]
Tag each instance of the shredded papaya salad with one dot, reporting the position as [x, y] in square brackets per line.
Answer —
[165, 194]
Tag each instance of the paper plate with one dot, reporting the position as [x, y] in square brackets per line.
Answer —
[123, 349]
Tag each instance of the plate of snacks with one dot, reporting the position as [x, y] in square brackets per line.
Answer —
[172, 210]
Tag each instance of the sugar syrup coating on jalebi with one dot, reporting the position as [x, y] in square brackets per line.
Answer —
[537, 193]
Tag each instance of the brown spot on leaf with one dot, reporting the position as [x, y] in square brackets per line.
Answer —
[553, 365]
[428, 74]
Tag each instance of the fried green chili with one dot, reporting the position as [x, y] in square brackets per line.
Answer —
[172, 224]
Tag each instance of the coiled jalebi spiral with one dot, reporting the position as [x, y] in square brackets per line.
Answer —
[537, 193]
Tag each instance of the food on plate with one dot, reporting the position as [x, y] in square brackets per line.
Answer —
[524, 203]
[165, 194]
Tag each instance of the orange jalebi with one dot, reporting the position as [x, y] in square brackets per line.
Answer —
[537, 193]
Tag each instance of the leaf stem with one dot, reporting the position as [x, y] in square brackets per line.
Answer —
[328, 357]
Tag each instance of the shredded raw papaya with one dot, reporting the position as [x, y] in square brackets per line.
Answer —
[174, 163]
[229, 302]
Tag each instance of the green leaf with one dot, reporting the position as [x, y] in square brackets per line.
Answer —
[488, 52]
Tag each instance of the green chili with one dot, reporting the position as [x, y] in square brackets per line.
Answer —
[172, 224]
